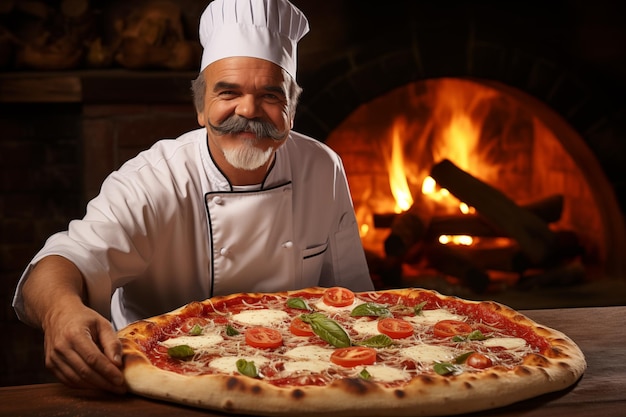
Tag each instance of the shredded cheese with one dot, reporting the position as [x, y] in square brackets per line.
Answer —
[303, 357]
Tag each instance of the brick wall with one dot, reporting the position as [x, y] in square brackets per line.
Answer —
[53, 158]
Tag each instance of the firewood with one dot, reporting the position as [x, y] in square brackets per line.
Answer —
[531, 233]
[548, 209]
[457, 264]
[61, 55]
[408, 228]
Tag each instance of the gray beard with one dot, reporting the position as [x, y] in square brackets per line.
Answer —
[247, 157]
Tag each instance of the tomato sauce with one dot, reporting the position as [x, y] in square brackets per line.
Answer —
[218, 314]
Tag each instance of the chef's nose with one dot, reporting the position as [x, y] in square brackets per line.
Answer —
[248, 106]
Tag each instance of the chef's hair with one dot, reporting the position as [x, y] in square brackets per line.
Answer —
[198, 90]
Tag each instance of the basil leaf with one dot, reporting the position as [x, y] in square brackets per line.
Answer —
[181, 351]
[231, 331]
[476, 335]
[370, 309]
[298, 303]
[327, 329]
[196, 330]
[247, 368]
[364, 374]
[307, 318]
[418, 308]
[378, 341]
[444, 368]
[462, 358]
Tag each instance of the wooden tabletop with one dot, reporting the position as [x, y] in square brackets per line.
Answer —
[599, 331]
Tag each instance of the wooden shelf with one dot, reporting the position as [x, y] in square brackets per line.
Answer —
[96, 86]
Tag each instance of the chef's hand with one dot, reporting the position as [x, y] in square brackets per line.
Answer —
[82, 349]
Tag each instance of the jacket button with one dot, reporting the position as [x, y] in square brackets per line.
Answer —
[224, 251]
[288, 244]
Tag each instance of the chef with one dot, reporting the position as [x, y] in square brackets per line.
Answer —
[241, 204]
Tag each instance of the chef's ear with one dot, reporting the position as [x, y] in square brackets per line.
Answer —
[202, 119]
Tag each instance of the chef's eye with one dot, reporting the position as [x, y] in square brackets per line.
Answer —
[272, 98]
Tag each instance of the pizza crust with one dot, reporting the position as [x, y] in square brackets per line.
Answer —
[427, 395]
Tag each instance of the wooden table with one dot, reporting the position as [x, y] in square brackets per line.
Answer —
[600, 332]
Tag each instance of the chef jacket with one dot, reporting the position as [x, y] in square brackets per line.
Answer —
[168, 228]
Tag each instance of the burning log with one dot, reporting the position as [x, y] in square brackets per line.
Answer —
[531, 233]
[548, 209]
[408, 228]
[530, 243]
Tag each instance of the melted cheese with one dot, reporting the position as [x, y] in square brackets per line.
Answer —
[321, 305]
[265, 317]
[310, 353]
[506, 342]
[429, 353]
[428, 317]
[366, 327]
[200, 342]
[228, 364]
[386, 374]
[308, 366]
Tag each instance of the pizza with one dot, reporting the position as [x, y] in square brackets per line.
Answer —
[401, 352]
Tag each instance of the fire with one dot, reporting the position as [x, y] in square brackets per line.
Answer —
[495, 133]
[458, 136]
[397, 176]
[464, 240]
[445, 120]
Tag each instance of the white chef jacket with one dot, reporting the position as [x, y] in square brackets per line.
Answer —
[168, 228]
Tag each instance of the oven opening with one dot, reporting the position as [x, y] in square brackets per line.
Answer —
[475, 183]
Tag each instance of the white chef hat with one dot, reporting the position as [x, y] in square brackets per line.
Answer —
[266, 29]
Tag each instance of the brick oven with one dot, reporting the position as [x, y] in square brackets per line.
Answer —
[559, 70]
[534, 59]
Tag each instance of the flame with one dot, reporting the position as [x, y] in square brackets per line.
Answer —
[397, 175]
[443, 119]
[464, 240]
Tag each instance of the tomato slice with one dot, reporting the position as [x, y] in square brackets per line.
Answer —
[450, 328]
[395, 328]
[479, 361]
[350, 357]
[300, 328]
[263, 337]
[338, 297]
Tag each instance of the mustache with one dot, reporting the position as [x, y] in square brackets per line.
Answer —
[236, 124]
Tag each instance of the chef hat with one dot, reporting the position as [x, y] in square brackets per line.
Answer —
[266, 29]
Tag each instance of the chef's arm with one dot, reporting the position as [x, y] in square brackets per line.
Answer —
[54, 283]
[81, 346]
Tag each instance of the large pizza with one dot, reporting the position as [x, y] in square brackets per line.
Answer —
[330, 351]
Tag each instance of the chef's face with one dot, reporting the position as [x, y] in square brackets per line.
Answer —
[246, 110]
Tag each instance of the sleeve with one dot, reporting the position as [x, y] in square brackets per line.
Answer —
[110, 245]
